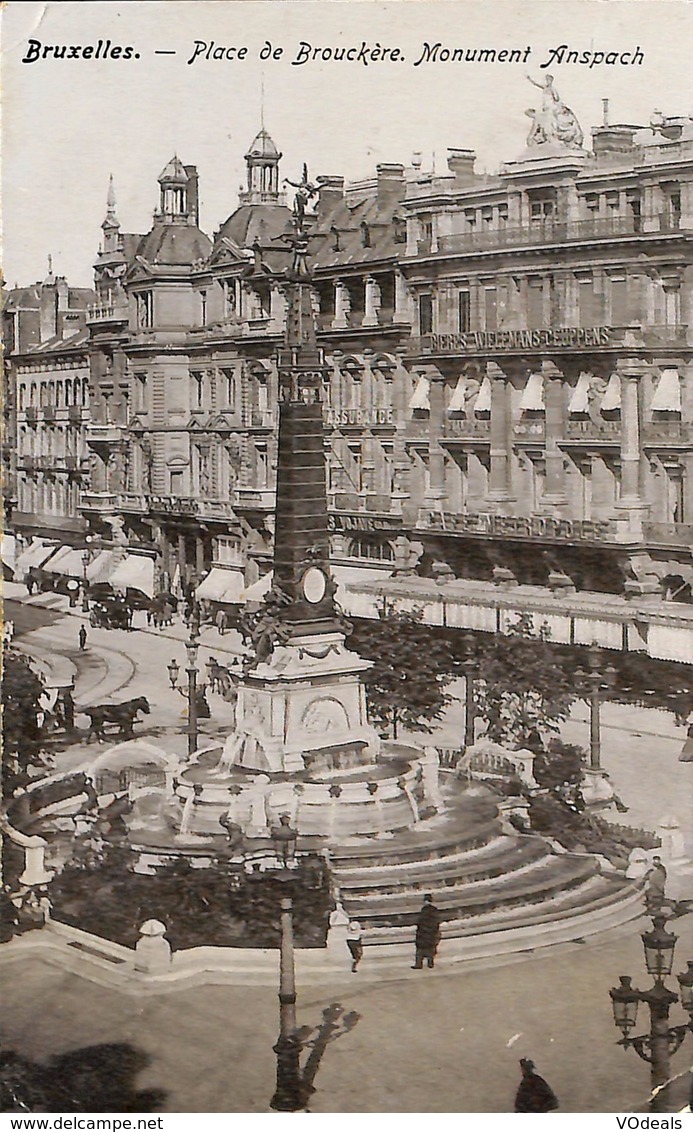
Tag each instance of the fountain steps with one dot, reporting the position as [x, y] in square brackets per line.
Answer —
[496, 858]
[531, 884]
[599, 902]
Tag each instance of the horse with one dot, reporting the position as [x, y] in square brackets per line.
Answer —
[121, 714]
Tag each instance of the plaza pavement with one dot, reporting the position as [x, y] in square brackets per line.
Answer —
[428, 1042]
[451, 1045]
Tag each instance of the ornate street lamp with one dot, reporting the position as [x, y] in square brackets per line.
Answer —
[596, 683]
[291, 1091]
[86, 557]
[663, 1040]
[190, 691]
[469, 668]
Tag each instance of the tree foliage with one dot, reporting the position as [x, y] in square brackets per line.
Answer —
[523, 692]
[23, 738]
[412, 666]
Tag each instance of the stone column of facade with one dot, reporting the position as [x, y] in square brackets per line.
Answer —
[631, 502]
[555, 420]
[501, 436]
[341, 306]
[372, 302]
[436, 425]
[401, 311]
[181, 556]
[199, 556]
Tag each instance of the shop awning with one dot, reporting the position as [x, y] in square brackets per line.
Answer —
[101, 567]
[457, 400]
[579, 402]
[257, 591]
[344, 577]
[533, 394]
[134, 572]
[419, 398]
[221, 585]
[667, 395]
[483, 397]
[612, 396]
[35, 554]
[9, 551]
[67, 562]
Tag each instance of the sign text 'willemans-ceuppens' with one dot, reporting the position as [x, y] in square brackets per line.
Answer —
[566, 336]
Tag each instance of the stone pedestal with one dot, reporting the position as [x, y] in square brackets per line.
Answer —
[306, 702]
[152, 950]
[596, 788]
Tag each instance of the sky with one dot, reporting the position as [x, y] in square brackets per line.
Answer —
[68, 123]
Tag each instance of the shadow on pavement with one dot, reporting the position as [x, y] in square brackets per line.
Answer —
[335, 1023]
[93, 1079]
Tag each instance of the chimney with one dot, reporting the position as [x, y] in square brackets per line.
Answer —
[613, 139]
[391, 184]
[461, 163]
[331, 192]
[48, 309]
[193, 197]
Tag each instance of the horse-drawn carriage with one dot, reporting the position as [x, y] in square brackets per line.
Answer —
[112, 614]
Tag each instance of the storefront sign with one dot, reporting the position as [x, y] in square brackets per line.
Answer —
[500, 340]
[340, 522]
[365, 418]
[535, 526]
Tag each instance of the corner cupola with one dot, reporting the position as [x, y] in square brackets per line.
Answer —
[262, 164]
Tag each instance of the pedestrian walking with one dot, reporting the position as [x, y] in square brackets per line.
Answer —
[427, 933]
[354, 943]
[534, 1094]
[82, 635]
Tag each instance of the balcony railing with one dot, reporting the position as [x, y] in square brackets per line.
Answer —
[28, 463]
[667, 432]
[107, 312]
[554, 232]
[601, 431]
[132, 501]
[259, 499]
[31, 414]
[531, 527]
[49, 413]
[532, 430]
[105, 501]
[174, 504]
[466, 428]
[668, 534]
[103, 433]
[74, 414]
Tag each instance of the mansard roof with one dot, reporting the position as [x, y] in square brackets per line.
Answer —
[256, 225]
[347, 224]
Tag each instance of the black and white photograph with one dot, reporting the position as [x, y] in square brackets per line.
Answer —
[347, 556]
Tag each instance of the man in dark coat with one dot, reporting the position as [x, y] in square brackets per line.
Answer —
[534, 1095]
[427, 933]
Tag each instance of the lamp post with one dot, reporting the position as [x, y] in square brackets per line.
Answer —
[191, 648]
[469, 669]
[663, 1040]
[86, 556]
[290, 1090]
[597, 789]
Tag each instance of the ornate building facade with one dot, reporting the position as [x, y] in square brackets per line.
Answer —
[510, 393]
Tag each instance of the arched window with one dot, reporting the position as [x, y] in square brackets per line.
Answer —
[59, 394]
[365, 235]
[68, 391]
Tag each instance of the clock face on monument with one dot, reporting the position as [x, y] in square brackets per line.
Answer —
[313, 585]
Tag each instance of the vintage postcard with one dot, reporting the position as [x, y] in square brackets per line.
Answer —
[348, 560]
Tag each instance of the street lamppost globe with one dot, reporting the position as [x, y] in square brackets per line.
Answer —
[173, 670]
[624, 1001]
[659, 947]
